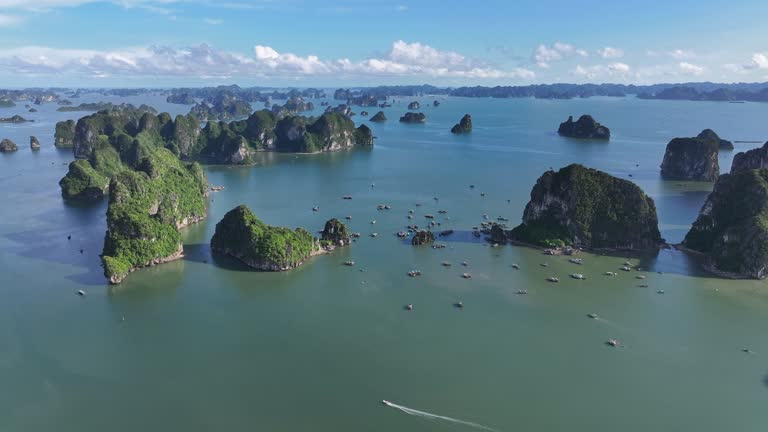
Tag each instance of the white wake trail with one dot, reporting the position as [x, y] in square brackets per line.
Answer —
[417, 413]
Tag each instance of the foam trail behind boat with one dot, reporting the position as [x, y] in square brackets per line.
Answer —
[417, 413]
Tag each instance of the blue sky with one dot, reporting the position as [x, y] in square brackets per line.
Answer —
[342, 42]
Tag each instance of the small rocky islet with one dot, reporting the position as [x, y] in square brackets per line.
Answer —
[8, 146]
[412, 117]
[585, 127]
[463, 126]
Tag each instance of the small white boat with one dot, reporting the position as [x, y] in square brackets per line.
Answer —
[466, 276]
[349, 263]
[516, 266]
[578, 276]
[578, 261]
[592, 315]
[315, 208]
[610, 273]
[553, 279]
[626, 269]
[374, 234]
[613, 342]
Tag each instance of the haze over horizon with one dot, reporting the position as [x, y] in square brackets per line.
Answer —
[162, 43]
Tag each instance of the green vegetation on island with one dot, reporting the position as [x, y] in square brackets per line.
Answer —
[732, 226]
[379, 117]
[15, 119]
[411, 117]
[588, 208]
[242, 235]
[154, 196]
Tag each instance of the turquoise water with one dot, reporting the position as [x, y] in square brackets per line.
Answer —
[204, 344]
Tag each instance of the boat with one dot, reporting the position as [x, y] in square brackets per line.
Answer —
[516, 266]
[592, 315]
[544, 264]
[626, 269]
[414, 273]
[315, 208]
[217, 188]
[348, 217]
[640, 277]
[553, 279]
[442, 211]
[610, 273]
[578, 276]
[349, 263]
[355, 235]
[613, 342]
[466, 276]
[374, 234]
[429, 216]
[459, 305]
[464, 263]
[522, 292]
[438, 246]
[660, 292]
[402, 234]
[445, 264]
[578, 261]
[409, 307]
[446, 233]
[373, 222]
[81, 293]
[347, 197]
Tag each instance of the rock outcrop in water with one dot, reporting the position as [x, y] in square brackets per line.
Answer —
[463, 126]
[423, 237]
[732, 226]
[14, 119]
[588, 208]
[691, 159]
[751, 159]
[709, 134]
[335, 233]
[34, 144]
[150, 199]
[242, 235]
[413, 118]
[294, 105]
[414, 105]
[7, 146]
[379, 117]
[585, 127]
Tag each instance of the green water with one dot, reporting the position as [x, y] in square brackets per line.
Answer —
[204, 344]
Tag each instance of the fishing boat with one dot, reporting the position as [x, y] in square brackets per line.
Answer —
[592, 315]
[466, 276]
[578, 276]
[553, 279]
[613, 342]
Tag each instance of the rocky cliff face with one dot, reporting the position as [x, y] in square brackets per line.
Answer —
[585, 127]
[463, 126]
[752, 159]
[379, 117]
[242, 235]
[222, 107]
[330, 132]
[691, 159]
[83, 182]
[709, 134]
[413, 118]
[588, 208]
[7, 146]
[732, 227]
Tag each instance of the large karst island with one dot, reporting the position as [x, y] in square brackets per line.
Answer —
[584, 207]
[732, 227]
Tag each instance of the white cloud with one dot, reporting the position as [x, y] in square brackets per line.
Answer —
[213, 21]
[677, 54]
[544, 55]
[9, 20]
[759, 61]
[401, 8]
[690, 68]
[404, 59]
[610, 53]
[613, 70]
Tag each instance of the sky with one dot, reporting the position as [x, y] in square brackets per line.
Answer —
[277, 43]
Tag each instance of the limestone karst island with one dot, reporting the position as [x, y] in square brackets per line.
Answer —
[339, 216]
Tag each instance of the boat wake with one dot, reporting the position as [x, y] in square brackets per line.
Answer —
[430, 416]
